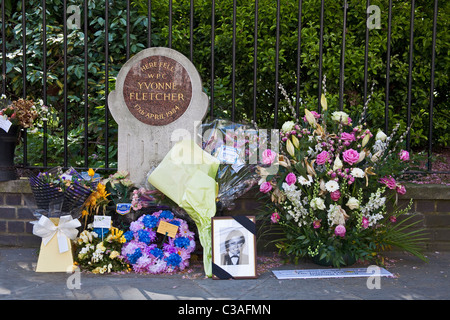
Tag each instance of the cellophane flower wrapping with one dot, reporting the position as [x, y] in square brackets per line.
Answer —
[59, 192]
[187, 176]
[235, 145]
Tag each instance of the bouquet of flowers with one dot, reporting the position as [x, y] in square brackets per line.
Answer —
[20, 112]
[150, 252]
[236, 146]
[62, 192]
[330, 194]
[100, 253]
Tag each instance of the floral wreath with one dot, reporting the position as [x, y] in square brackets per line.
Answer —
[148, 251]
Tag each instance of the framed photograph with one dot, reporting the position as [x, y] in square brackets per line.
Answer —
[234, 247]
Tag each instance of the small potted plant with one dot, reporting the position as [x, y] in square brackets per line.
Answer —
[14, 116]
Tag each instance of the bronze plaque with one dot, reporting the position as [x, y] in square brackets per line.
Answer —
[157, 90]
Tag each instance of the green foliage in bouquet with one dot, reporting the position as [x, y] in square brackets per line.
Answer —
[329, 198]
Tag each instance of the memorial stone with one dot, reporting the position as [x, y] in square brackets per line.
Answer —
[158, 100]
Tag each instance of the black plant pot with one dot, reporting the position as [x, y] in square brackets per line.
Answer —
[8, 141]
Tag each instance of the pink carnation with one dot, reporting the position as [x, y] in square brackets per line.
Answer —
[340, 230]
[389, 182]
[323, 157]
[401, 189]
[265, 187]
[275, 217]
[291, 178]
[365, 223]
[335, 195]
[316, 223]
[350, 156]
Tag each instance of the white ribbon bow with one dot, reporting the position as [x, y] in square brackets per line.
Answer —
[66, 228]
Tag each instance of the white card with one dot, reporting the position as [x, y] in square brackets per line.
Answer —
[102, 222]
[5, 124]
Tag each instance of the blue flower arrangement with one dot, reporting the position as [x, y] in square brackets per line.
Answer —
[149, 252]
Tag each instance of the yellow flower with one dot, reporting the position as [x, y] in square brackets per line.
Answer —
[91, 172]
[84, 213]
[114, 254]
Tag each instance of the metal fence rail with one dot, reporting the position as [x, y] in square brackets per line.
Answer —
[84, 9]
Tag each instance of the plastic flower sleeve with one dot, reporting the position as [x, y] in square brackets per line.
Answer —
[236, 147]
[187, 176]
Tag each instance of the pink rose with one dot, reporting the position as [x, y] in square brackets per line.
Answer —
[350, 156]
[348, 136]
[365, 222]
[323, 157]
[291, 178]
[404, 155]
[265, 187]
[268, 156]
[335, 195]
[275, 217]
[340, 230]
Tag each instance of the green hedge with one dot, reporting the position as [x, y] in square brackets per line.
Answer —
[309, 58]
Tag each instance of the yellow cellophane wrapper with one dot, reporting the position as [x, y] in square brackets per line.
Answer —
[187, 176]
[50, 259]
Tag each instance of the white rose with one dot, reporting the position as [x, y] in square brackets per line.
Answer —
[317, 203]
[357, 173]
[380, 135]
[288, 126]
[352, 203]
[340, 116]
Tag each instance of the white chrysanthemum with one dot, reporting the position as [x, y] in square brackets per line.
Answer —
[332, 186]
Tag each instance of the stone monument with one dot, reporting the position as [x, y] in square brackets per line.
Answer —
[158, 100]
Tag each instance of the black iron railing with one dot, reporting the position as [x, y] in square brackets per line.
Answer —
[150, 33]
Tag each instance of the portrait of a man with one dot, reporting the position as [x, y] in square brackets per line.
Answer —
[234, 249]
